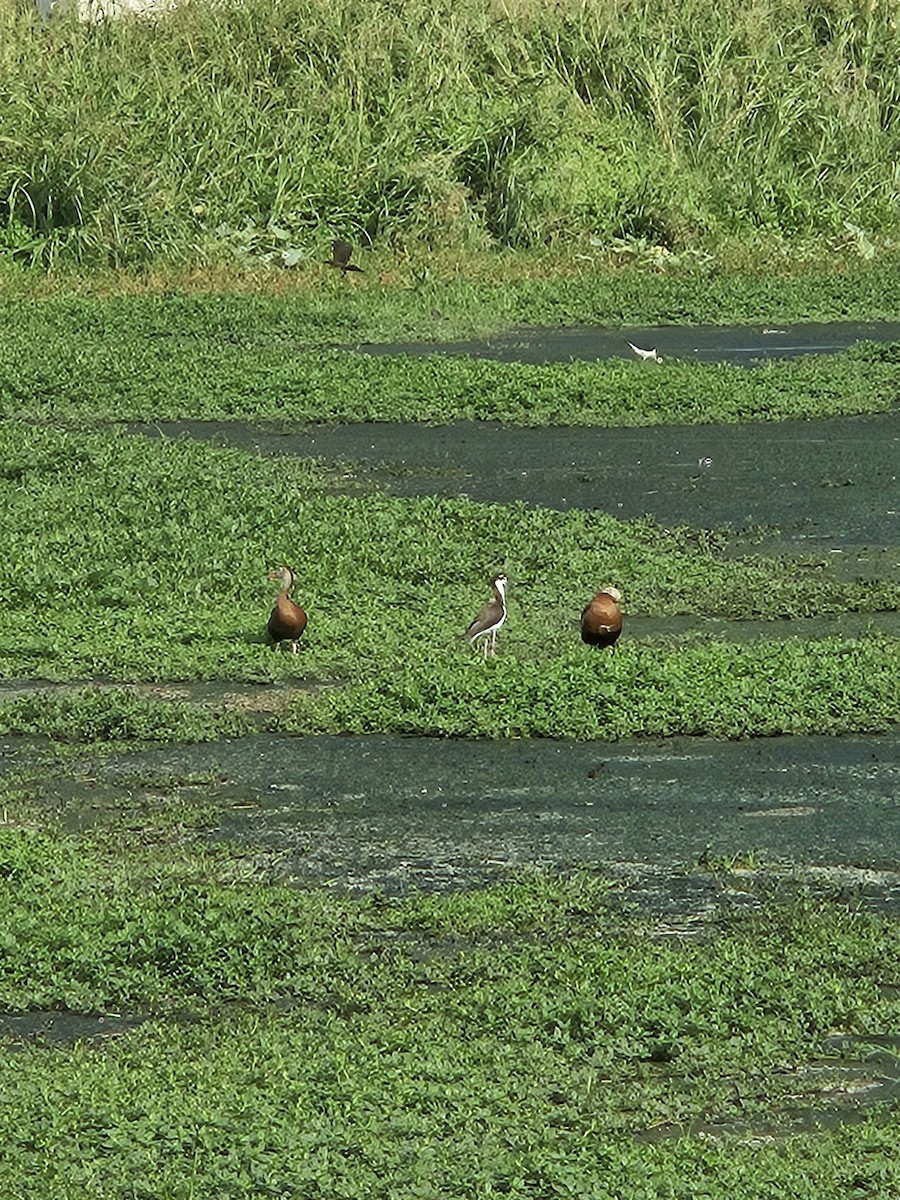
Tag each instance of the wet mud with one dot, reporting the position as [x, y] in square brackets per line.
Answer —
[254, 700]
[845, 1090]
[54, 1028]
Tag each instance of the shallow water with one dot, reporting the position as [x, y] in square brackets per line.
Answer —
[825, 485]
[665, 819]
[744, 345]
[686, 826]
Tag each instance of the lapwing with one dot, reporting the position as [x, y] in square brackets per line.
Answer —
[340, 256]
[645, 355]
[489, 618]
[288, 620]
[601, 621]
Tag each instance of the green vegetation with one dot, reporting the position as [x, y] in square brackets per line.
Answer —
[827, 686]
[95, 715]
[115, 318]
[510, 1041]
[262, 127]
[144, 559]
[153, 359]
[495, 165]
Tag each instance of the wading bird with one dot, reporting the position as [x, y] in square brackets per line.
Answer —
[340, 256]
[489, 618]
[645, 355]
[288, 620]
[601, 621]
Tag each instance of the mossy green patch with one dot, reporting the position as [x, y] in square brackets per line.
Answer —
[721, 689]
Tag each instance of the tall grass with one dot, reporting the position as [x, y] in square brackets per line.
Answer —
[456, 122]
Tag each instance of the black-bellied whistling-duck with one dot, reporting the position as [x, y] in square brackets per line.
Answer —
[340, 256]
[288, 620]
[601, 621]
[489, 618]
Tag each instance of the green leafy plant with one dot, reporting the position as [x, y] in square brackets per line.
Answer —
[104, 579]
[231, 357]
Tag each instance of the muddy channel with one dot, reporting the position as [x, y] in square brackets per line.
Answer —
[829, 486]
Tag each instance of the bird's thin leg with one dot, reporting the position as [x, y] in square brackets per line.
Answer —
[295, 648]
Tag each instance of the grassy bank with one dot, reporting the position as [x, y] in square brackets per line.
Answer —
[264, 127]
[523, 1040]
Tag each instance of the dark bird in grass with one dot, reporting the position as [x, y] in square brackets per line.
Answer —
[601, 621]
[489, 618]
[288, 620]
[341, 253]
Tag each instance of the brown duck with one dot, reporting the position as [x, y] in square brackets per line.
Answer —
[288, 620]
[341, 252]
[601, 621]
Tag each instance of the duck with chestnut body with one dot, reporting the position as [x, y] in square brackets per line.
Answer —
[288, 620]
[601, 621]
